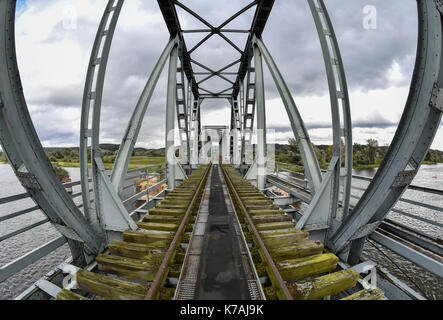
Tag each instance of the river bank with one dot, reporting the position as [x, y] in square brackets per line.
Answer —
[136, 162]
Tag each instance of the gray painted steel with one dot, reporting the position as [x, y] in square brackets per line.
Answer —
[416, 131]
[340, 106]
[427, 263]
[109, 209]
[19, 264]
[170, 119]
[97, 60]
[25, 152]
[312, 168]
[133, 130]
[346, 232]
[261, 119]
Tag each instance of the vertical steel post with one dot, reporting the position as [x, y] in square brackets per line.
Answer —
[261, 120]
[195, 134]
[170, 119]
[248, 116]
[132, 132]
[312, 168]
[338, 91]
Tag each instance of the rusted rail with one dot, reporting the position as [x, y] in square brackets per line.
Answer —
[269, 260]
[160, 276]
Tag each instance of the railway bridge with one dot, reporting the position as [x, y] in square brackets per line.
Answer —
[226, 227]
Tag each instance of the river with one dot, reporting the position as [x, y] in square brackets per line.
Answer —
[13, 248]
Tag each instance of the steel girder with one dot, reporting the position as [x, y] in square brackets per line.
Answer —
[26, 154]
[235, 133]
[415, 133]
[182, 115]
[169, 12]
[108, 208]
[312, 168]
[264, 8]
[324, 206]
[261, 119]
[171, 104]
[195, 133]
[338, 91]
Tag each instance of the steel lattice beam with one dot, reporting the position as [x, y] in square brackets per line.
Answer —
[27, 156]
[415, 133]
[262, 13]
[169, 12]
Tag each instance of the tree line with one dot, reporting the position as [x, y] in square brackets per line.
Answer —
[364, 156]
[369, 155]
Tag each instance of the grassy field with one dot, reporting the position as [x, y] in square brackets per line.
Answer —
[136, 162]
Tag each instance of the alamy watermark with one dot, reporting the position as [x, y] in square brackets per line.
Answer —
[69, 17]
[226, 146]
[370, 17]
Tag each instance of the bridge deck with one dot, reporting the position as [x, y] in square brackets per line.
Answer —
[245, 237]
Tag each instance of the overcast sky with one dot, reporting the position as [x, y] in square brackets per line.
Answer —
[53, 53]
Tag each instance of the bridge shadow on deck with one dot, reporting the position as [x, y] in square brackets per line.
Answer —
[221, 274]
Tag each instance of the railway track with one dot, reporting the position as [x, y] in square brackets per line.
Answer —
[138, 267]
[296, 267]
[148, 263]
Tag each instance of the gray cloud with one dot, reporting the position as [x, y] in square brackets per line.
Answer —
[290, 36]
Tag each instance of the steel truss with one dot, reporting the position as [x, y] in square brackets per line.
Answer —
[327, 216]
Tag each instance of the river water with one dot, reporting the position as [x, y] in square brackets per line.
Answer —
[430, 176]
[15, 247]
[425, 283]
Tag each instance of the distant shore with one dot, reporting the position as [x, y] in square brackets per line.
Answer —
[139, 162]
[136, 162]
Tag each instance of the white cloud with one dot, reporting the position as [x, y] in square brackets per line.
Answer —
[53, 62]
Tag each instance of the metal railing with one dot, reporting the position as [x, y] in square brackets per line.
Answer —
[403, 238]
[15, 266]
[280, 167]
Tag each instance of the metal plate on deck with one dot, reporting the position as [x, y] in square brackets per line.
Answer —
[196, 246]
[200, 228]
[190, 269]
[186, 291]
[203, 217]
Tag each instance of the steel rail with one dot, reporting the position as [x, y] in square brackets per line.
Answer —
[269, 259]
[160, 273]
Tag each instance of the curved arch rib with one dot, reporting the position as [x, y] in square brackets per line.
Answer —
[418, 126]
[109, 209]
[324, 205]
[338, 90]
[26, 155]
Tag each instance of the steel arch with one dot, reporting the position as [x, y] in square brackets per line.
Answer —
[413, 138]
[27, 157]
